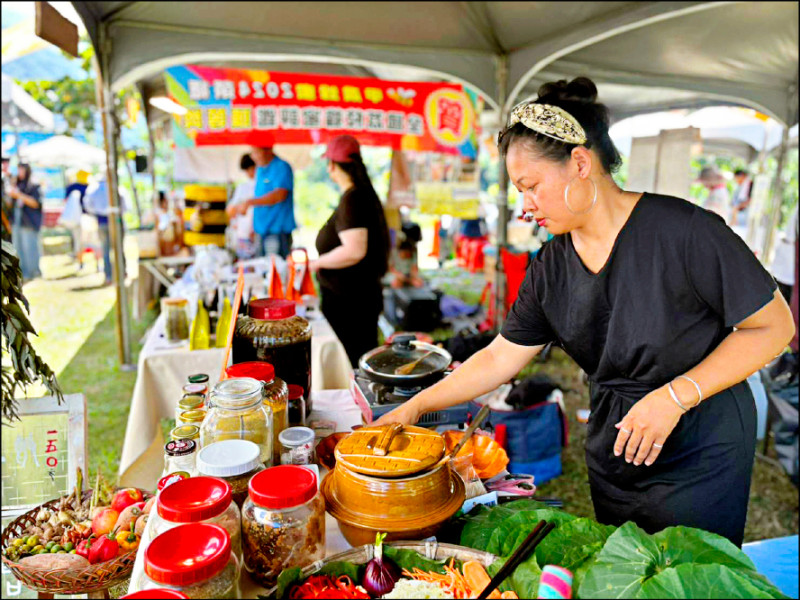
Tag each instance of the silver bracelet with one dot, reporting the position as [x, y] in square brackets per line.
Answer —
[696, 385]
[675, 397]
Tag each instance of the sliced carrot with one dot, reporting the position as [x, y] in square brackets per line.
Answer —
[477, 578]
[509, 596]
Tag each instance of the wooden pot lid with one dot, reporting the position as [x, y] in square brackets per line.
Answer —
[390, 450]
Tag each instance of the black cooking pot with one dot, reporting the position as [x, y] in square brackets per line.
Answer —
[380, 364]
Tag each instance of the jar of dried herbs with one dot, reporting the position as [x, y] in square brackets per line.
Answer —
[272, 333]
[176, 314]
[234, 461]
[283, 522]
[194, 559]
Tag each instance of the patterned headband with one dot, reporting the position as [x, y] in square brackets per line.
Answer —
[548, 120]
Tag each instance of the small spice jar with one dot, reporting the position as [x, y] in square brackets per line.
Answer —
[276, 395]
[186, 432]
[198, 500]
[177, 319]
[239, 412]
[283, 522]
[189, 402]
[198, 378]
[196, 388]
[297, 446]
[191, 417]
[179, 457]
[195, 559]
[235, 461]
[297, 405]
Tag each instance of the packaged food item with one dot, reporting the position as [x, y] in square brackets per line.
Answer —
[235, 461]
[179, 456]
[297, 405]
[198, 500]
[177, 319]
[186, 432]
[195, 559]
[191, 417]
[238, 412]
[272, 332]
[283, 522]
[276, 395]
[297, 446]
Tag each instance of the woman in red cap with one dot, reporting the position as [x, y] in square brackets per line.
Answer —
[353, 248]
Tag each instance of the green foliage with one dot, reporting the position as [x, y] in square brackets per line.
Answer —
[26, 365]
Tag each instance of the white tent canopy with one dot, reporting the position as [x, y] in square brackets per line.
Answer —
[64, 151]
[32, 113]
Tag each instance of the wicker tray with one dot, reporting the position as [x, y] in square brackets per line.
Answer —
[73, 581]
[430, 550]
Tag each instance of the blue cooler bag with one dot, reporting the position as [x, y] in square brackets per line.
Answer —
[536, 436]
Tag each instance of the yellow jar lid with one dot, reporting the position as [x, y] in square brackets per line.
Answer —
[191, 402]
[193, 416]
[185, 432]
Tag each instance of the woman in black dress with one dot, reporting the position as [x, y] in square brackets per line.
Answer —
[663, 306]
[353, 248]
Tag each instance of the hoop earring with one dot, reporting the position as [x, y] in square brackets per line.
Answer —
[566, 198]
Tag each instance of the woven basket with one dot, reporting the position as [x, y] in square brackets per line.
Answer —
[430, 550]
[73, 581]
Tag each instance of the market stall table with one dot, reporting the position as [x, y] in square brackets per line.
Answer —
[330, 405]
[162, 372]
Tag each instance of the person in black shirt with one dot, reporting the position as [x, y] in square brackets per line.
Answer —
[657, 300]
[353, 248]
[27, 197]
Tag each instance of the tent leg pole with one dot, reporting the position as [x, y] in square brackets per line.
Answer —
[777, 197]
[502, 199]
[105, 103]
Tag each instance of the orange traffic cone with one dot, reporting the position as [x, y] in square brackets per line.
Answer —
[274, 285]
[300, 283]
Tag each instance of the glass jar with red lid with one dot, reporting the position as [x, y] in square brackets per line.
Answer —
[276, 396]
[198, 500]
[283, 522]
[272, 333]
[195, 559]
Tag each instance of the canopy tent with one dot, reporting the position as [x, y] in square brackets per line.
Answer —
[645, 56]
[17, 103]
[64, 151]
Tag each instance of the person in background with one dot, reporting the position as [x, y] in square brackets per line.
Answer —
[741, 198]
[404, 266]
[95, 203]
[719, 200]
[353, 248]
[77, 189]
[783, 263]
[273, 204]
[241, 226]
[168, 227]
[27, 197]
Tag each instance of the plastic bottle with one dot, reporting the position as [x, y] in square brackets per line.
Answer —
[200, 337]
[224, 323]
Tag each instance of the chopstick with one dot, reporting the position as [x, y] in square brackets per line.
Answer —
[525, 549]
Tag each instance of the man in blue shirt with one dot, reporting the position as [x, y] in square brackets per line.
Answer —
[273, 213]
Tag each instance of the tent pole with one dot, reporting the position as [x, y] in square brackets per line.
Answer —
[777, 197]
[502, 197]
[105, 104]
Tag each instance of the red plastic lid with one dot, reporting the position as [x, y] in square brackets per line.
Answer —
[295, 391]
[187, 554]
[283, 487]
[194, 499]
[269, 309]
[257, 370]
[156, 593]
[171, 478]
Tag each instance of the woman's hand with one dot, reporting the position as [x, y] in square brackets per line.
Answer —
[643, 431]
[407, 414]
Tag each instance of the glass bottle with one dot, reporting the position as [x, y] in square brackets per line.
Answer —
[224, 323]
[200, 336]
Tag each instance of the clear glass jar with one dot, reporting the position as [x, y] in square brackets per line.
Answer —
[194, 559]
[200, 388]
[283, 523]
[276, 395]
[297, 405]
[179, 457]
[238, 412]
[189, 402]
[297, 446]
[176, 324]
[198, 500]
[234, 461]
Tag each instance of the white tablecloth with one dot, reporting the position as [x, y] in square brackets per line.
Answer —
[162, 373]
[331, 405]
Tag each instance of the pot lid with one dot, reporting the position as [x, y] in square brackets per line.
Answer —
[390, 450]
[403, 350]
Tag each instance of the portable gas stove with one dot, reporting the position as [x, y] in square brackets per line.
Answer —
[377, 399]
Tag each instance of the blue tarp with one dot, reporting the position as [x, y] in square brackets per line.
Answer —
[777, 560]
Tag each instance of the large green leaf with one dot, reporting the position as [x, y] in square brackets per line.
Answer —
[681, 545]
[700, 581]
[286, 580]
[525, 578]
[513, 530]
[493, 569]
[569, 538]
[478, 530]
[410, 559]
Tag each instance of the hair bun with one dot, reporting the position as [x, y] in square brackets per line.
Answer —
[580, 89]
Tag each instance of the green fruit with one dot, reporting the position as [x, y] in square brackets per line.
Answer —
[55, 549]
[18, 542]
[25, 540]
[73, 551]
[68, 546]
[33, 541]
[50, 544]
[37, 548]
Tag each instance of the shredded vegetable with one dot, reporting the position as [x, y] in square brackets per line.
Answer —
[324, 586]
[452, 581]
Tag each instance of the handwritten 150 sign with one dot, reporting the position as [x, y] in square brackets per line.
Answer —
[240, 106]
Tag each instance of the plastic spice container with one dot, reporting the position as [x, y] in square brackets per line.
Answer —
[179, 457]
[196, 560]
[198, 500]
[272, 333]
[239, 413]
[176, 313]
[297, 405]
[191, 417]
[189, 402]
[283, 523]
[276, 395]
[186, 432]
[297, 446]
[235, 461]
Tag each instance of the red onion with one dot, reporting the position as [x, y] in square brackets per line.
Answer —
[381, 573]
